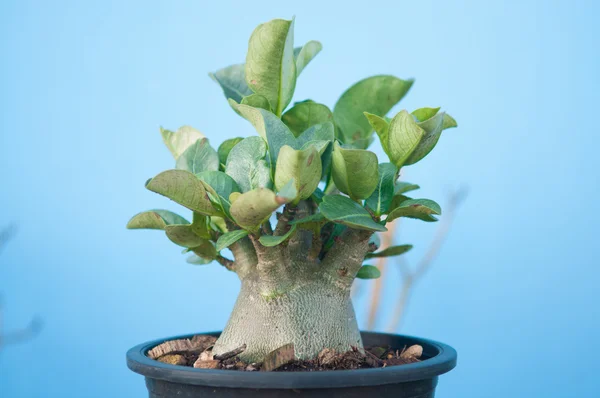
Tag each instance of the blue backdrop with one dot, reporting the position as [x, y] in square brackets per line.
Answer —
[84, 87]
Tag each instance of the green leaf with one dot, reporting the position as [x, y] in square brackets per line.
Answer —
[222, 186]
[376, 95]
[246, 164]
[232, 80]
[432, 128]
[381, 199]
[230, 238]
[206, 250]
[314, 218]
[288, 190]
[270, 65]
[368, 272]
[218, 224]
[183, 235]
[278, 135]
[391, 251]
[181, 140]
[423, 114]
[270, 240]
[343, 210]
[422, 209]
[257, 101]
[355, 171]
[404, 136]
[303, 55]
[317, 132]
[303, 166]
[155, 219]
[197, 260]
[184, 188]
[198, 157]
[201, 226]
[251, 209]
[304, 115]
[226, 147]
[381, 127]
[403, 187]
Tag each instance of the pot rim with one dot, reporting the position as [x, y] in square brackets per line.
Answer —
[441, 359]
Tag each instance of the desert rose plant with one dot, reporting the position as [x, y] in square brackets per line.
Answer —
[300, 204]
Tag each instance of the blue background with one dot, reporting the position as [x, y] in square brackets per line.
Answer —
[84, 87]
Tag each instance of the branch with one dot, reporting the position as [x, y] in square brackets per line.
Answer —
[283, 221]
[243, 253]
[225, 262]
[346, 256]
[410, 278]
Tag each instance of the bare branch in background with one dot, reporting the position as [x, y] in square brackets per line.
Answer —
[409, 278]
[25, 334]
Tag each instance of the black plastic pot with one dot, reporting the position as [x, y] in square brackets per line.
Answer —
[416, 380]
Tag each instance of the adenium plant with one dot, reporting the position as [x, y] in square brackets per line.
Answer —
[299, 205]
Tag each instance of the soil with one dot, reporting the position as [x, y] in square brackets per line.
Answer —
[196, 352]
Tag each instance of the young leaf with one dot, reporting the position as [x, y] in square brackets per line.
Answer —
[201, 226]
[226, 147]
[304, 115]
[423, 209]
[432, 128]
[343, 210]
[404, 136]
[376, 95]
[423, 114]
[221, 186]
[303, 55]
[182, 139]
[270, 240]
[289, 190]
[303, 166]
[183, 235]
[270, 65]
[155, 219]
[198, 157]
[355, 171]
[403, 187]
[232, 80]
[230, 238]
[251, 209]
[246, 164]
[257, 101]
[368, 272]
[381, 127]
[381, 199]
[184, 188]
[391, 251]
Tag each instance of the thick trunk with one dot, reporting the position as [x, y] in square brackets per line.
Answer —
[312, 314]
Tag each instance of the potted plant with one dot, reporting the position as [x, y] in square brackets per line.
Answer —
[299, 206]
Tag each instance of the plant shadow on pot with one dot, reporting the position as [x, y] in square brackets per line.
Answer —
[415, 380]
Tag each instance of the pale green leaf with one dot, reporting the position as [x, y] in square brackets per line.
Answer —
[218, 224]
[251, 209]
[221, 186]
[423, 114]
[355, 171]
[381, 127]
[423, 209]
[368, 272]
[391, 251]
[404, 136]
[270, 64]
[271, 240]
[182, 139]
[198, 157]
[303, 55]
[226, 147]
[376, 95]
[184, 188]
[197, 260]
[201, 225]
[257, 101]
[232, 80]
[381, 199]
[246, 164]
[432, 128]
[288, 190]
[183, 235]
[304, 115]
[303, 166]
[403, 187]
[155, 219]
[343, 210]
[230, 238]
